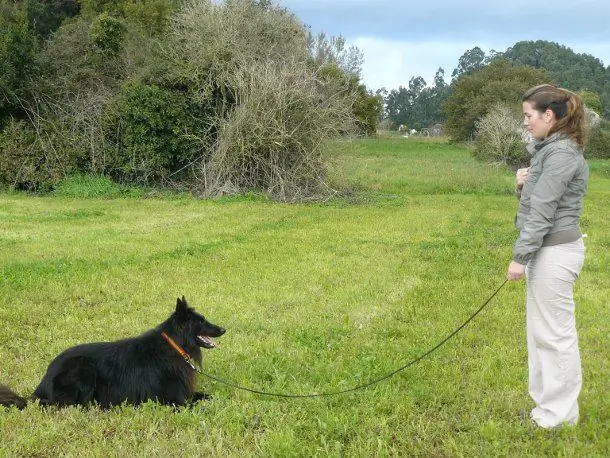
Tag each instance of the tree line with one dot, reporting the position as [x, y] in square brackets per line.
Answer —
[420, 105]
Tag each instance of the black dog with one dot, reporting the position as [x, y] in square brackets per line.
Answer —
[158, 366]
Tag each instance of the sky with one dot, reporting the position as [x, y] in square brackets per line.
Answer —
[401, 39]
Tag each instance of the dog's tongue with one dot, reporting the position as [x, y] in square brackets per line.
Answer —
[208, 340]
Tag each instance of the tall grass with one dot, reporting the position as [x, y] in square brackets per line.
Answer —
[316, 297]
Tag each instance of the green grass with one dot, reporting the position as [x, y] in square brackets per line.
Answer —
[404, 167]
[316, 297]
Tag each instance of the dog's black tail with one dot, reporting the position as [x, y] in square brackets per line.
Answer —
[9, 398]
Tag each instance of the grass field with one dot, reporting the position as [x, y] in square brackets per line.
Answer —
[316, 297]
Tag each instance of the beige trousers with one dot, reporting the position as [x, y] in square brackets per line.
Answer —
[555, 376]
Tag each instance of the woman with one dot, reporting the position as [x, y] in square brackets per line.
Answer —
[550, 251]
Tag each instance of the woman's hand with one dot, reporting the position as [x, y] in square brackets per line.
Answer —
[522, 176]
[515, 272]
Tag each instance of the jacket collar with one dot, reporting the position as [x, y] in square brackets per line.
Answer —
[536, 145]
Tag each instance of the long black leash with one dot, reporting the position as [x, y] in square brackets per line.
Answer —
[372, 382]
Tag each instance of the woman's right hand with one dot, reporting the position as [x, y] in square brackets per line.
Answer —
[522, 176]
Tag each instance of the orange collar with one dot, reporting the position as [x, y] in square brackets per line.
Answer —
[180, 350]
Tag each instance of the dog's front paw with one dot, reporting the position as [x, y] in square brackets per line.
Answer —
[198, 396]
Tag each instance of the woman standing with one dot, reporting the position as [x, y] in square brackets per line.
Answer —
[550, 251]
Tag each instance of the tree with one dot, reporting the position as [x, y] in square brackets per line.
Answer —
[401, 103]
[432, 99]
[474, 94]
[344, 65]
[397, 106]
[18, 63]
[565, 67]
[469, 62]
[592, 100]
[418, 105]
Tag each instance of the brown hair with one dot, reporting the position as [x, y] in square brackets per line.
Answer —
[568, 107]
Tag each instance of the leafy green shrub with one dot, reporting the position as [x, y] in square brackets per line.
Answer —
[200, 105]
[75, 68]
[592, 100]
[27, 160]
[76, 94]
[46, 16]
[80, 88]
[598, 144]
[500, 138]
[474, 94]
[155, 138]
[18, 61]
[367, 109]
[151, 16]
[108, 33]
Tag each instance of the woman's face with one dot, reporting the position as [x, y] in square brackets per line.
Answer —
[537, 124]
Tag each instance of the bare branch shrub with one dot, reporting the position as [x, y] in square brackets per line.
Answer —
[500, 138]
[211, 41]
[274, 140]
[333, 50]
[274, 110]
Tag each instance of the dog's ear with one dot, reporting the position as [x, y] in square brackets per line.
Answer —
[182, 307]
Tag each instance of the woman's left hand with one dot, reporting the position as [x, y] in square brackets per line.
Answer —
[515, 272]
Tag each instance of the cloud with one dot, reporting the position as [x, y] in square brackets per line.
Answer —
[402, 39]
[390, 63]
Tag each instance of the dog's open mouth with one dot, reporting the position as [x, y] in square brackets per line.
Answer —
[206, 342]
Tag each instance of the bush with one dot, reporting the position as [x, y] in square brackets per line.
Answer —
[155, 138]
[598, 144]
[226, 98]
[108, 33]
[151, 16]
[274, 109]
[474, 94]
[366, 107]
[592, 101]
[18, 61]
[500, 138]
[28, 161]
[274, 140]
[387, 124]
[72, 127]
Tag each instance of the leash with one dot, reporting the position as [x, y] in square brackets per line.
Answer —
[367, 384]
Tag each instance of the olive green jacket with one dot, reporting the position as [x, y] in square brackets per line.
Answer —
[551, 200]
